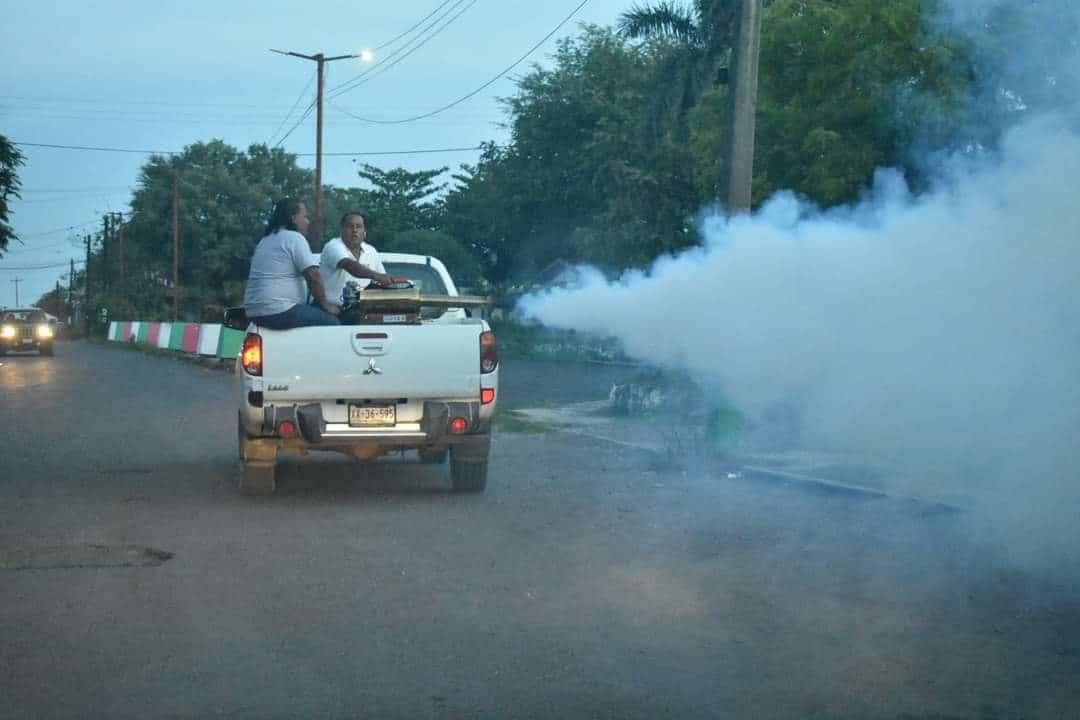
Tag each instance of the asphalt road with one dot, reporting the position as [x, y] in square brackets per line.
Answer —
[591, 580]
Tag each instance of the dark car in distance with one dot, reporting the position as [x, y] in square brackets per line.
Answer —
[25, 330]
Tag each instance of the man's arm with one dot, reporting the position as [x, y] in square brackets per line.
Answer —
[318, 291]
[360, 270]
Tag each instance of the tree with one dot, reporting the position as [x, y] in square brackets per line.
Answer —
[400, 200]
[225, 197]
[10, 161]
[55, 302]
[459, 261]
[701, 36]
[847, 86]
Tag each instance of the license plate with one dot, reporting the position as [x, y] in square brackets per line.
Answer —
[394, 318]
[28, 341]
[372, 415]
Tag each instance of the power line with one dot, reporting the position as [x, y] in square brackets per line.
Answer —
[404, 51]
[422, 20]
[75, 190]
[478, 90]
[59, 230]
[305, 116]
[31, 268]
[90, 147]
[285, 119]
[404, 152]
[422, 151]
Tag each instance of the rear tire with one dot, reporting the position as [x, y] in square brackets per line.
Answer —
[257, 477]
[468, 477]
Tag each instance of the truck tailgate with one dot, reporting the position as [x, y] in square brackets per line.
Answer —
[373, 362]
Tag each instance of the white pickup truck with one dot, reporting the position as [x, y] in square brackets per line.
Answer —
[424, 380]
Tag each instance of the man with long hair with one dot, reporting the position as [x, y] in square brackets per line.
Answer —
[283, 272]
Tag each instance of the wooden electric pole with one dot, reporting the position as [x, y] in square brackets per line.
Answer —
[118, 224]
[176, 245]
[17, 281]
[86, 290]
[320, 60]
[744, 91]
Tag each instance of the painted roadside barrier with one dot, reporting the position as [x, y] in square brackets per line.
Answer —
[189, 343]
[209, 336]
[229, 343]
[176, 336]
[205, 339]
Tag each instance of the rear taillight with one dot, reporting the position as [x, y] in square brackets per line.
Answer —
[487, 396]
[489, 353]
[251, 355]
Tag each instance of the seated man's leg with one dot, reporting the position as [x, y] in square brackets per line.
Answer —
[308, 315]
[300, 315]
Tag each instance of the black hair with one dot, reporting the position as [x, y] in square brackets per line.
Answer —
[283, 215]
[362, 213]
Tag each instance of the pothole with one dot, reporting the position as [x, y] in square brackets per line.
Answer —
[71, 557]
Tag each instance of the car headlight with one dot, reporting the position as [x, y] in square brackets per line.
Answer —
[8, 331]
[44, 331]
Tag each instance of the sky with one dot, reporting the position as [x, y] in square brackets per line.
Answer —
[159, 76]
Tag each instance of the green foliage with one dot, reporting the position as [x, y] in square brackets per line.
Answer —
[399, 200]
[459, 261]
[846, 87]
[10, 161]
[225, 197]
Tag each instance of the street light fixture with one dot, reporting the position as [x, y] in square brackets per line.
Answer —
[320, 60]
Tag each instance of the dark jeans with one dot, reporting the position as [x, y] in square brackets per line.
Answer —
[297, 316]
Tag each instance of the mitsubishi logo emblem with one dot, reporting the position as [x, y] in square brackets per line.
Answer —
[371, 369]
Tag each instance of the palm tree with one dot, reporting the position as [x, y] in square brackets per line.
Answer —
[702, 34]
[711, 36]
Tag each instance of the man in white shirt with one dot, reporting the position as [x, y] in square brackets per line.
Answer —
[348, 256]
[283, 271]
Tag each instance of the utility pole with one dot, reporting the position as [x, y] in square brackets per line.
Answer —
[71, 286]
[17, 281]
[744, 91]
[118, 225]
[176, 245]
[106, 228]
[320, 60]
[86, 291]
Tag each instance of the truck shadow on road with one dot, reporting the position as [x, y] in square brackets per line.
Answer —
[323, 473]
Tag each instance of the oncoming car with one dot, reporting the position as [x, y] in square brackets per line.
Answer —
[26, 330]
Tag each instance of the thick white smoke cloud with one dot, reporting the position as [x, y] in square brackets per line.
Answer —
[941, 331]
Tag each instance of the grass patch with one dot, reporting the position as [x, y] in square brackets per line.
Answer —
[537, 341]
[509, 421]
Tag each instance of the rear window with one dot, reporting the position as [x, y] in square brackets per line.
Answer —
[424, 277]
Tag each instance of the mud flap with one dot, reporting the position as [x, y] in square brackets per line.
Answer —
[311, 421]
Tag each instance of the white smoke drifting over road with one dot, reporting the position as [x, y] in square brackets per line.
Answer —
[941, 331]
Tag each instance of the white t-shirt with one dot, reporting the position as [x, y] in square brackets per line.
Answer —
[275, 282]
[334, 278]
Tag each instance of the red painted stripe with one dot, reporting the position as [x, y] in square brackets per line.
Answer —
[152, 335]
[190, 343]
[125, 332]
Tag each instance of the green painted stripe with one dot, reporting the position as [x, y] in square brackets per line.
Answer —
[229, 343]
[176, 337]
[144, 333]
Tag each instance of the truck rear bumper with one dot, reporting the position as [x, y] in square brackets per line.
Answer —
[433, 430]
